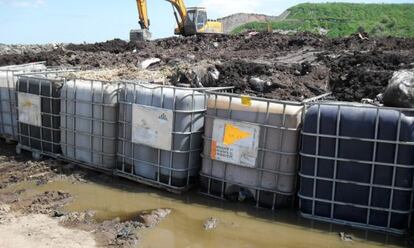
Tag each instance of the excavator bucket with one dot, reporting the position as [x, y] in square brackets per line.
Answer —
[139, 35]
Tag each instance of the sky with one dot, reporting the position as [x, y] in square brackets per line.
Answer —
[77, 21]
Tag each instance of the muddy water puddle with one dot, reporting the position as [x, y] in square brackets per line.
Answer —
[239, 226]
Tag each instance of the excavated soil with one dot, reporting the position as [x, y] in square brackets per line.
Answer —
[28, 213]
[288, 67]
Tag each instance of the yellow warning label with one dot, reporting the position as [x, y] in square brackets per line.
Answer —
[27, 104]
[246, 100]
[232, 134]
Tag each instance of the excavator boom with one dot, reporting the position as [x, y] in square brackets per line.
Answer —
[189, 22]
[178, 5]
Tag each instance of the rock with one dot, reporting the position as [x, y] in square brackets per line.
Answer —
[57, 213]
[345, 237]
[41, 181]
[323, 31]
[278, 85]
[215, 44]
[367, 101]
[251, 34]
[4, 209]
[191, 56]
[148, 62]
[259, 85]
[362, 36]
[196, 75]
[243, 195]
[125, 231]
[400, 90]
[214, 73]
[379, 97]
[78, 217]
[151, 218]
[211, 223]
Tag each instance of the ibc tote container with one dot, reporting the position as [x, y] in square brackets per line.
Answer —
[357, 165]
[89, 123]
[8, 115]
[251, 149]
[160, 135]
[38, 111]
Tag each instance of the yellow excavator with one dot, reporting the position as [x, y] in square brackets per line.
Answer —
[190, 21]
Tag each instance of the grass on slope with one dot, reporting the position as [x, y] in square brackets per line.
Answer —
[342, 19]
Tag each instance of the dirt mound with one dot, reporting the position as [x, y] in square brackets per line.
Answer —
[363, 43]
[285, 82]
[121, 73]
[47, 202]
[365, 75]
[235, 20]
[111, 46]
[289, 67]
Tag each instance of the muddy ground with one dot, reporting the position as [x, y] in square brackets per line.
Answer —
[288, 67]
[28, 217]
[52, 204]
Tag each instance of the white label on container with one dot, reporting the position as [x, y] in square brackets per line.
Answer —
[152, 126]
[235, 142]
[29, 109]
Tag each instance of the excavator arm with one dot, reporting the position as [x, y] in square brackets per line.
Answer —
[190, 21]
[143, 14]
[179, 7]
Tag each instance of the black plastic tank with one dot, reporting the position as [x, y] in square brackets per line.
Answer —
[357, 165]
[40, 132]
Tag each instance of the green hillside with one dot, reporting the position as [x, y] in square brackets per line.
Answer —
[342, 19]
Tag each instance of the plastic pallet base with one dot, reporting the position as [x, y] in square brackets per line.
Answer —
[152, 183]
[267, 199]
[86, 165]
[8, 139]
[36, 154]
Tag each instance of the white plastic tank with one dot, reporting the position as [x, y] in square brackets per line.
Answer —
[38, 112]
[89, 123]
[160, 135]
[8, 114]
[251, 148]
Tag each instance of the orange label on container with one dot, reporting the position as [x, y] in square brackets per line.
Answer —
[246, 100]
[213, 152]
[232, 134]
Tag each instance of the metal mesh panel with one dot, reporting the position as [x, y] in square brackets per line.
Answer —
[357, 165]
[45, 138]
[8, 78]
[175, 170]
[89, 123]
[271, 182]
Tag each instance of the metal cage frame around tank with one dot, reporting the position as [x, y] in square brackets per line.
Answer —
[36, 153]
[262, 150]
[373, 164]
[14, 71]
[93, 119]
[157, 183]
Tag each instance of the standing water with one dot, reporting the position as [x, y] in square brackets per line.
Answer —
[239, 225]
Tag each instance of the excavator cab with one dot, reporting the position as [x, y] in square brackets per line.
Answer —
[197, 22]
[197, 17]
